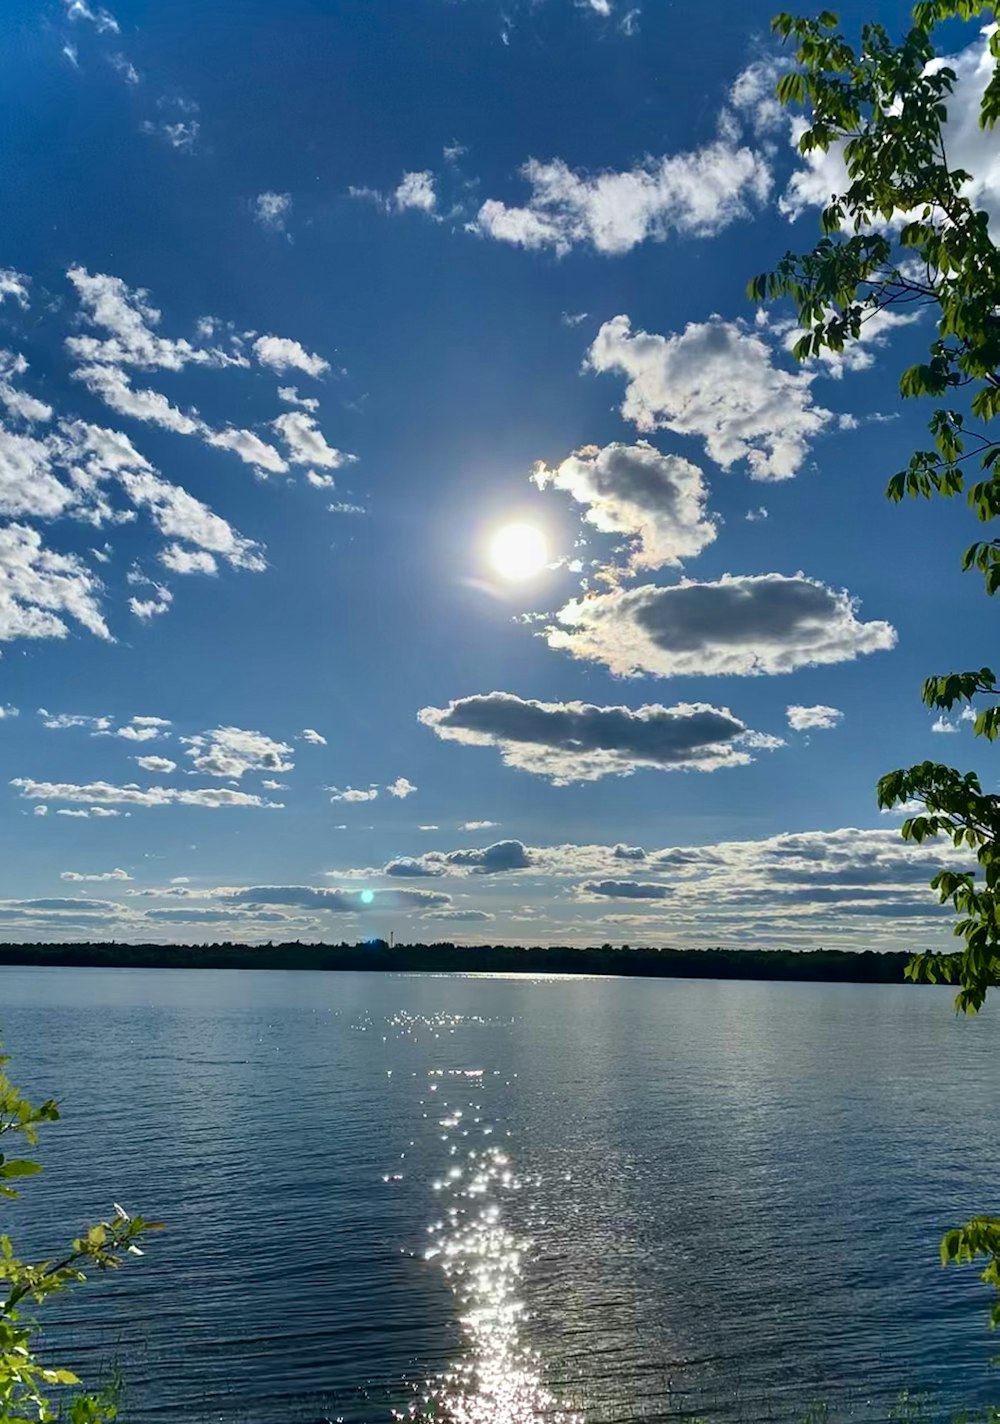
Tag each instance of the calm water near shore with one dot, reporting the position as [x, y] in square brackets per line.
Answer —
[513, 1199]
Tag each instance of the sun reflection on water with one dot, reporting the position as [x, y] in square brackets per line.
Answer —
[499, 1379]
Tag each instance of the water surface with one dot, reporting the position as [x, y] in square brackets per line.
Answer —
[513, 1199]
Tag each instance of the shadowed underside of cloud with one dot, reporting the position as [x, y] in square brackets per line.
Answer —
[408, 867]
[658, 501]
[746, 625]
[625, 889]
[460, 916]
[576, 741]
[339, 902]
[493, 859]
[847, 886]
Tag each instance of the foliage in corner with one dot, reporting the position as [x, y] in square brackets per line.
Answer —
[903, 235]
[24, 1379]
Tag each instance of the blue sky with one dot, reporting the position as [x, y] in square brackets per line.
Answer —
[303, 304]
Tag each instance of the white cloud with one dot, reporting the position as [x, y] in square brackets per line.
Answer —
[160, 765]
[416, 190]
[320, 481]
[351, 794]
[75, 875]
[249, 447]
[97, 454]
[87, 473]
[753, 96]
[155, 605]
[8, 711]
[27, 483]
[860, 353]
[740, 626]
[575, 741]
[123, 66]
[401, 788]
[233, 751]
[697, 193]
[136, 729]
[144, 729]
[102, 794]
[272, 210]
[181, 134]
[657, 500]
[187, 561]
[716, 381]
[270, 785]
[904, 808]
[282, 354]
[306, 443]
[41, 810]
[112, 386]
[943, 724]
[804, 719]
[290, 395]
[40, 589]
[428, 828]
[60, 721]
[129, 317]
[309, 734]
[14, 284]
[756, 516]
[103, 19]
[477, 825]
[20, 404]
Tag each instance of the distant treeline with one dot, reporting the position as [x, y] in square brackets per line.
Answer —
[446, 958]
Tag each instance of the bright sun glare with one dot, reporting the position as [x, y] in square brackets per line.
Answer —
[518, 550]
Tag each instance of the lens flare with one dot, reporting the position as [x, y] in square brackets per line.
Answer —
[367, 896]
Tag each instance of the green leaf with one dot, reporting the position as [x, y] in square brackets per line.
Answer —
[791, 88]
[20, 1167]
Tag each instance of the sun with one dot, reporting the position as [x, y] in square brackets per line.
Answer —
[517, 551]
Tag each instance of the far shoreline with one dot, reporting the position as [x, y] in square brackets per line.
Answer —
[779, 965]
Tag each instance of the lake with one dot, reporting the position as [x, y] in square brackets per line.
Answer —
[513, 1199]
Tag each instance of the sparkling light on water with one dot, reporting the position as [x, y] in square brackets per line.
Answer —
[499, 1379]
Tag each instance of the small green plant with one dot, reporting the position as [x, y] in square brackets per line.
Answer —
[24, 1379]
